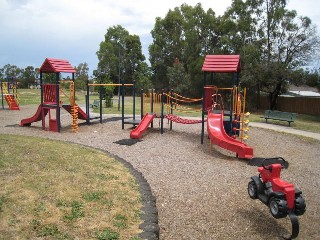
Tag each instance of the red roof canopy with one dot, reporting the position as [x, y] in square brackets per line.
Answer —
[51, 65]
[221, 63]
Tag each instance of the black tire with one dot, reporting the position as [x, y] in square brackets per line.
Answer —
[299, 206]
[252, 190]
[278, 207]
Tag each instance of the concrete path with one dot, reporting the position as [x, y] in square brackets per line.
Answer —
[285, 129]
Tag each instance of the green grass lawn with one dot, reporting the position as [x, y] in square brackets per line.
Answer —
[32, 96]
[29, 96]
[56, 190]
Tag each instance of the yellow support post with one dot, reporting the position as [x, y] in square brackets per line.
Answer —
[74, 109]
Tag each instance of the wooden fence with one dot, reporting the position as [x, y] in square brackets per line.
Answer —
[302, 105]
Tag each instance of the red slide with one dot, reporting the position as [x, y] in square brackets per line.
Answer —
[219, 137]
[35, 118]
[142, 127]
[81, 114]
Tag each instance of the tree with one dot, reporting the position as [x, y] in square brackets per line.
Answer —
[82, 75]
[143, 77]
[179, 80]
[187, 33]
[120, 55]
[312, 78]
[275, 41]
[28, 77]
[9, 71]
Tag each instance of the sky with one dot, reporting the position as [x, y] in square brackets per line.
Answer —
[32, 30]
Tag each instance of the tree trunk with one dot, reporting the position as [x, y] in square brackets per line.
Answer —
[258, 96]
[273, 97]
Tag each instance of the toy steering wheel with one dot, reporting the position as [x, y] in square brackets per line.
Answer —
[280, 160]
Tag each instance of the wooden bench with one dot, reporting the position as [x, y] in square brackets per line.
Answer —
[281, 116]
[95, 104]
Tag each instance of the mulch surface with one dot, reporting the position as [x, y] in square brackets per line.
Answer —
[199, 195]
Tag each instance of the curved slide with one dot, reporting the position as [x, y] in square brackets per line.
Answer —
[219, 137]
[35, 118]
[142, 127]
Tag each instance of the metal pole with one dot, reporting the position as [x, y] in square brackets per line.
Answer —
[41, 88]
[119, 78]
[122, 93]
[8, 85]
[41, 101]
[203, 110]
[88, 102]
[100, 98]
[152, 100]
[141, 103]
[58, 101]
[134, 101]
[231, 103]
[1, 95]
[151, 104]
[74, 90]
[171, 105]
[162, 106]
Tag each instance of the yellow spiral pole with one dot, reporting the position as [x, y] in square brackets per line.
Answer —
[74, 109]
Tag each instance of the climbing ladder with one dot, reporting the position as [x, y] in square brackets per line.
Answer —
[12, 99]
[241, 118]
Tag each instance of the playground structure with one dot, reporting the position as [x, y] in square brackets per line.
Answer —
[122, 86]
[223, 126]
[50, 97]
[10, 94]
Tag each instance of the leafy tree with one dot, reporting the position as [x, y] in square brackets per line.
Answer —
[274, 42]
[143, 77]
[120, 55]
[11, 71]
[28, 77]
[107, 91]
[49, 78]
[187, 33]
[312, 78]
[82, 75]
[179, 80]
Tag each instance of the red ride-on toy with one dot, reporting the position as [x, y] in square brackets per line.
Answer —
[282, 197]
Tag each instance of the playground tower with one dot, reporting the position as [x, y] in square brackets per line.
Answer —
[50, 97]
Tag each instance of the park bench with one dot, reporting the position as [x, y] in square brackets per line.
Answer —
[281, 116]
[95, 104]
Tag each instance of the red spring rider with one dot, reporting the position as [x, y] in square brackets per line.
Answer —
[282, 197]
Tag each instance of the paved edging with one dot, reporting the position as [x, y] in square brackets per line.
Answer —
[149, 227]
[285, 130]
